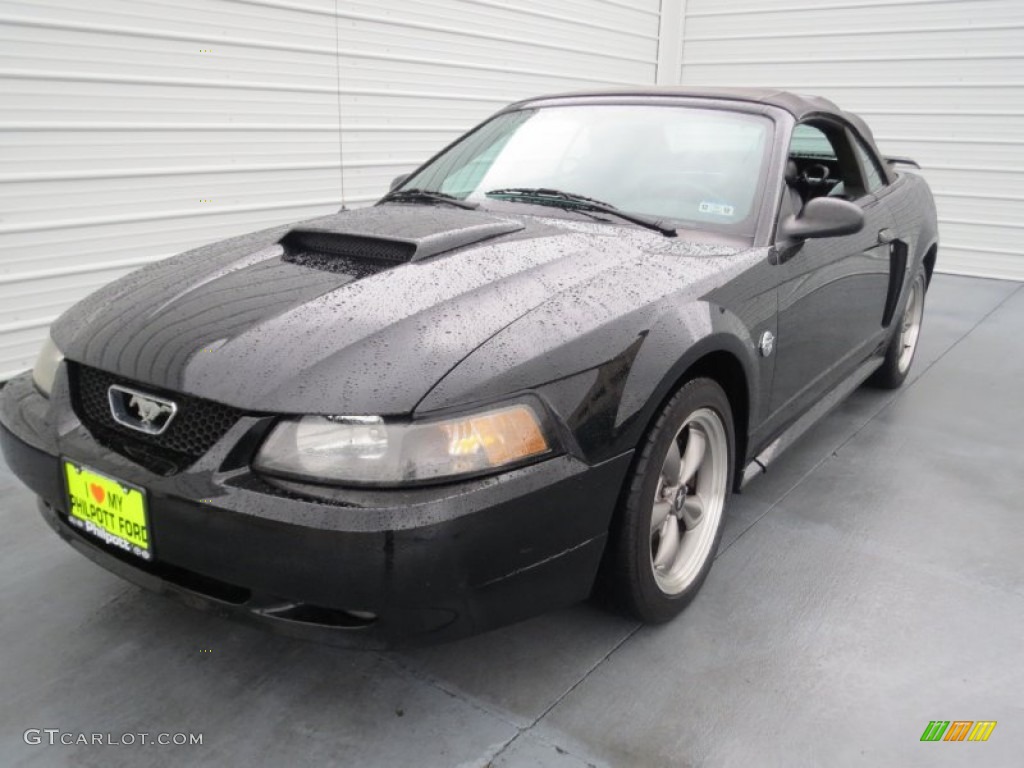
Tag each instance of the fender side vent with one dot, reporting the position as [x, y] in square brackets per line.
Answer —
[897, 269]
[344, 253]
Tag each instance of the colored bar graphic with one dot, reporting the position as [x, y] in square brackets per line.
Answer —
[958, 730]
[982, 730]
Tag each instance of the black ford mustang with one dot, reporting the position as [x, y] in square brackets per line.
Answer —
[537, 367]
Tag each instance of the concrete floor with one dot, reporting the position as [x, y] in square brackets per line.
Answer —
[873, 581]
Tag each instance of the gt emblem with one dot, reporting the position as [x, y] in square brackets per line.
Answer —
[139, 411]
[767, 343]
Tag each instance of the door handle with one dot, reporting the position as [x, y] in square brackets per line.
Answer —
[885, 236]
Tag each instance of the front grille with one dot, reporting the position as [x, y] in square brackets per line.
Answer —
[196, 426]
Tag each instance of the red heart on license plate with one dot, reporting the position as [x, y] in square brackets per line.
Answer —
[97, 493]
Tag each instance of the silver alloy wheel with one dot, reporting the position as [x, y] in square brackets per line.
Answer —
[910, 329]
[688, 501]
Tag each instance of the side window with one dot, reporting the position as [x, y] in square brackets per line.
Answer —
[825, 163]
[873, 178]
[809, 142]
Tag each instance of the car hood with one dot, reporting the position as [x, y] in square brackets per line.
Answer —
[361, 312]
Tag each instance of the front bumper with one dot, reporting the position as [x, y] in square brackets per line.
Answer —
[357, 568]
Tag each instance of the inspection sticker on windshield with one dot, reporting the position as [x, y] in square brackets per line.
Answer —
[108, 509]
[719, 209]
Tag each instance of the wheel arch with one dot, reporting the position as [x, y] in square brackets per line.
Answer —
[725, 369]
[722, 359]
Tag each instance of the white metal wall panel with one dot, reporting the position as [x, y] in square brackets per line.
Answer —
[938, 80]
[448, 63]
[135, 129]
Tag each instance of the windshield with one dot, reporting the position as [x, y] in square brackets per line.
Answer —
[695, 167]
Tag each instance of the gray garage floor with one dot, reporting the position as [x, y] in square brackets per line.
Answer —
[872, 582]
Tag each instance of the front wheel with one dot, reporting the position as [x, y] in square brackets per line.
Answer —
[670, 522]
[900, 354]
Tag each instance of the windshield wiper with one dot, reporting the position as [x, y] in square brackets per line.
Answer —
[557, 197]
[426, 196]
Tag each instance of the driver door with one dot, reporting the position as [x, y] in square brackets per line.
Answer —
[832, 290]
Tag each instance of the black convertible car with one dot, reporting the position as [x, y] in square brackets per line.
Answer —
[536, 369]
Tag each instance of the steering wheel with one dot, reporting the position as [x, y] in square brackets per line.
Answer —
[815, 175]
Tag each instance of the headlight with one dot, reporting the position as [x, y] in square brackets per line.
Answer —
[45, 370]
[367, 450]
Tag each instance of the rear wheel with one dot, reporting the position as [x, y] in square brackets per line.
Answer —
[670, 523]
[900, 353]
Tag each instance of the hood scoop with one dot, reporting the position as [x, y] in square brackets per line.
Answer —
[372, 239]
[350, 254]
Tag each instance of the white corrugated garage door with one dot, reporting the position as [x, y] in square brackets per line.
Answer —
[938, 80]
[132, 130]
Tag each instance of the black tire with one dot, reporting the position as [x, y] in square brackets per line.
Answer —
[628, 581]
[895, 368]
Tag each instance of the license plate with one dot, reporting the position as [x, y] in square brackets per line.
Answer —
[108, 509]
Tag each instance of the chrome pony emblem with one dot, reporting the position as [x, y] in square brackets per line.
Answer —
[139, 411]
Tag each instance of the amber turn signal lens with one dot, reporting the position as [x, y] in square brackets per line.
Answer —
[502, 436]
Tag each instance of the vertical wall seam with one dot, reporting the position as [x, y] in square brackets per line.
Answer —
[670, 42]
[682, 41]
[337, 95]
[661, 39]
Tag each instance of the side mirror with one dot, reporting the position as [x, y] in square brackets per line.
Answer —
[398, 181]
[823, 217]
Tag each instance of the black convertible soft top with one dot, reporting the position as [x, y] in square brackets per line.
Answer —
[798, 105]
